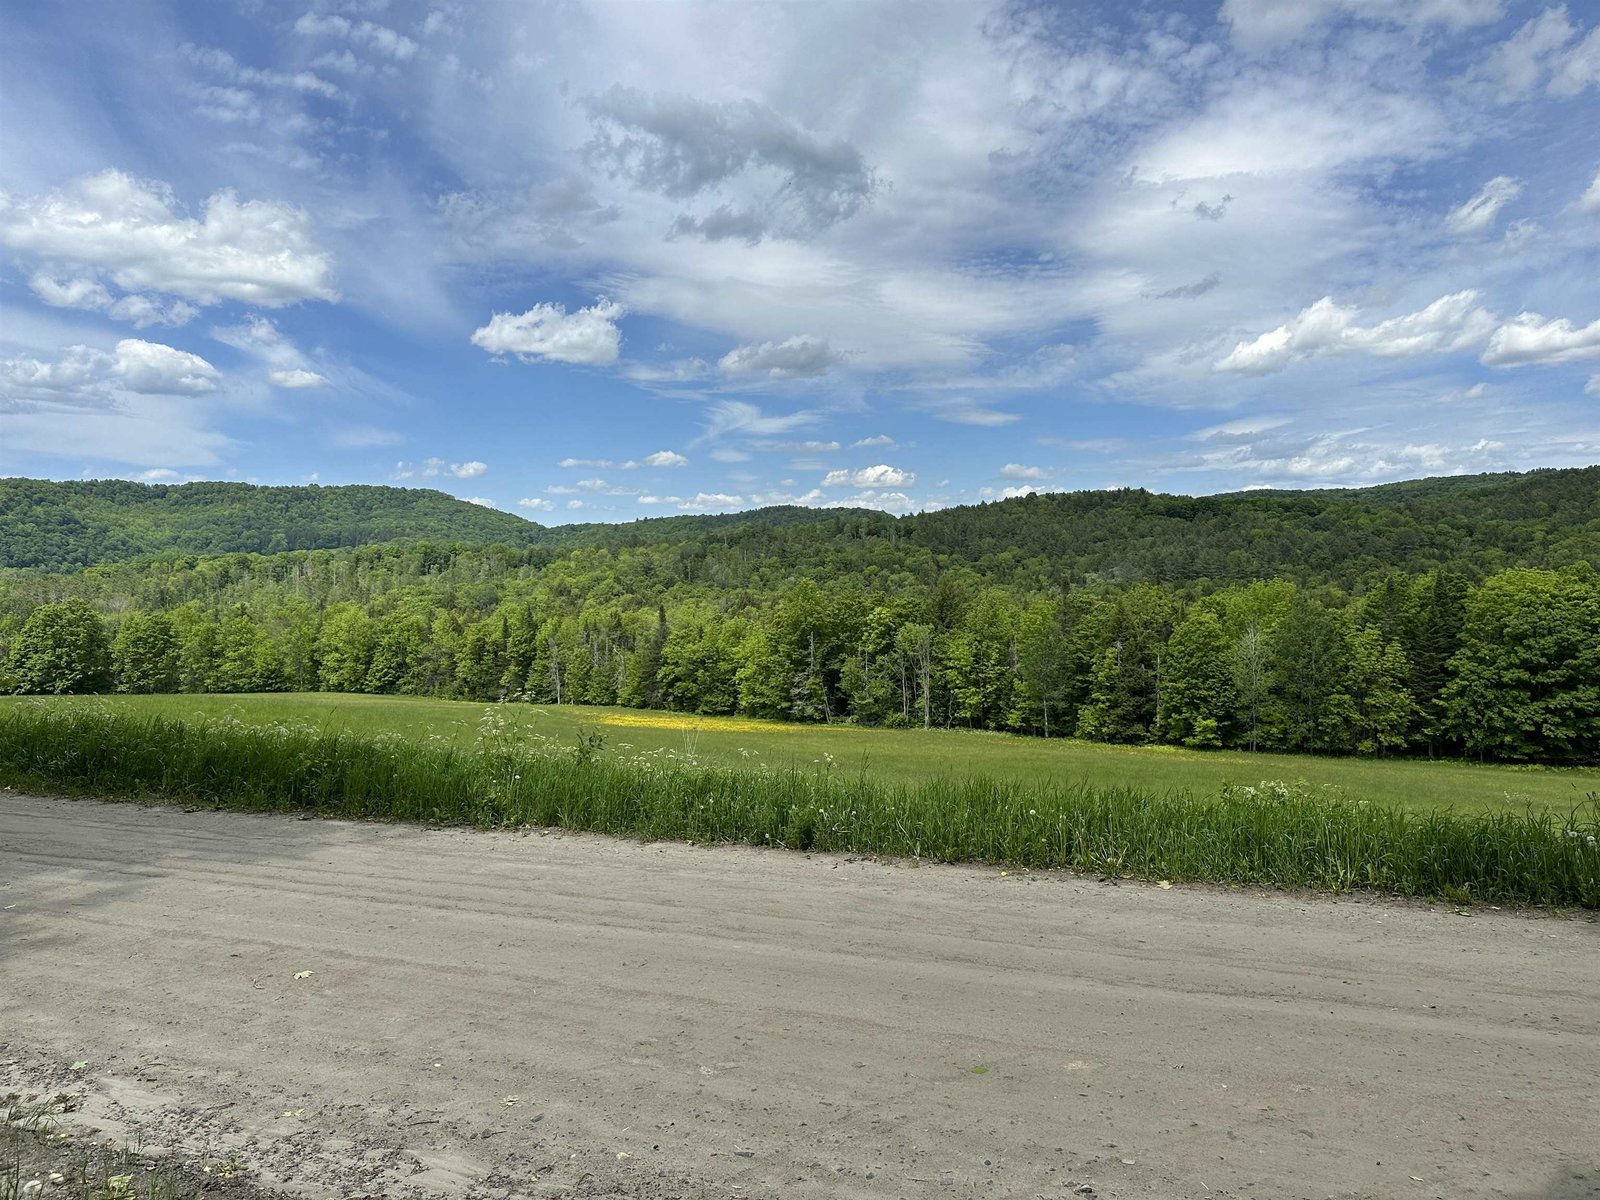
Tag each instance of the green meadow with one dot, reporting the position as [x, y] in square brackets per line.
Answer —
[516, 768]
[900, 755]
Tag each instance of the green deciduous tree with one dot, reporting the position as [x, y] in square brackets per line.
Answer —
[1527, 676]
[61, 648]
[1197, 686]
[144, 655]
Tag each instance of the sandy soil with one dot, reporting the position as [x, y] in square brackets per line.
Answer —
[514, 1014]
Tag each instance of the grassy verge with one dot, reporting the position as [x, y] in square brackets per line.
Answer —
[1273, 836]
[39, 1160]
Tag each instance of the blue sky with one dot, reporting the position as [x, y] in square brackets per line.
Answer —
[597, 262]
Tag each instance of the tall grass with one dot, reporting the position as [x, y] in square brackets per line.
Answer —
[1273, 836]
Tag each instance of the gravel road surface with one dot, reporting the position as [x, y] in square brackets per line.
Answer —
[508, 1014]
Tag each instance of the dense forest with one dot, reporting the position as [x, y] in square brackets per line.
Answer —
[1278, 621]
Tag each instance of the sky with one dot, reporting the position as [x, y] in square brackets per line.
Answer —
[607, 261]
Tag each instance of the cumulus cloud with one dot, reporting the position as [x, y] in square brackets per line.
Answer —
[253, 251]
[91, 295]
[796, 358]
[881, 439]
[681, 147]
[87, 377]
[87, 294]
[480, 501]
[704, 501]
[297, 378]
[587, 336]
[1451, 323]
[537, 504]
[1528, 339]
[1478, 214]
[1019, 471]
[880, 476]
[434, 468]
[666, 458]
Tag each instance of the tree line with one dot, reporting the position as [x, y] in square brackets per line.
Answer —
[1506, 668]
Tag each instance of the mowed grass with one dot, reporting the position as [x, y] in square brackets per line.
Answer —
[909, 755]
[507, 777]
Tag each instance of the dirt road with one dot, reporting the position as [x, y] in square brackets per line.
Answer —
[570, 1015]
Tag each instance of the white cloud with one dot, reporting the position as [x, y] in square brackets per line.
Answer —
[1589, 202]
[159, 370]
[1019, 471]
[253, 251]
[1267, 24]
[378, 37]
[738, 416]
[682, 147]
[537, 504]
[882, 439]
[880, 476]
[897, 502]
[1528, 339]
[1451, 323]
[546, 331]
[967, 412]
[1592, 388]
[1579, 68]
[1478, 214]
[602, 463]
[683, 370]
[223, 64]
[666, 458]
[796, 358]
[480, 501]
[1542, 50]
[434, 468]
[297, 378]
[87, 294]
[91, 295]
[88, 377]
[702, 501]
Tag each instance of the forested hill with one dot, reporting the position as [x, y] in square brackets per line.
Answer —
[1475, 524]
[75, 524]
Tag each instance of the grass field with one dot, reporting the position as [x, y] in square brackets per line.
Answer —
[895, 755]
[509, 775]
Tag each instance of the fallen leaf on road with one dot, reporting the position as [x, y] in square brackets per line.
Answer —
[1165, 885]
[304, 974]
[78, 1066]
